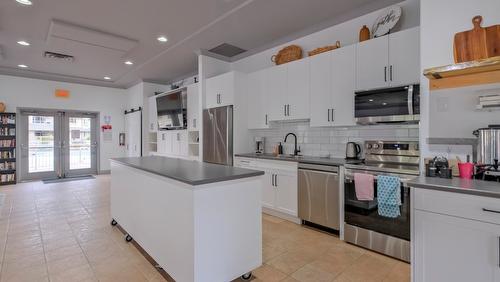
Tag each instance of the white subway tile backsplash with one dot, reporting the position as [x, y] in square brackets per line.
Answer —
[329, 140]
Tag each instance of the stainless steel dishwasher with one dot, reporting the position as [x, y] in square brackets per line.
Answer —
[319, 195]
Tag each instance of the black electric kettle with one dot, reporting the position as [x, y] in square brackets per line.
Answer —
[352, 151]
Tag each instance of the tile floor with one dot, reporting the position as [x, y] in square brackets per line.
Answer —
[61, 232]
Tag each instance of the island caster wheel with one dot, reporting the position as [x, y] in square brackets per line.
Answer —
[128, 238]
[113, 222]
[246, 276]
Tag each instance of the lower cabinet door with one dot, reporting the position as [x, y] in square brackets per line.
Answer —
[455, 249]
[268, 190]
[286, 193]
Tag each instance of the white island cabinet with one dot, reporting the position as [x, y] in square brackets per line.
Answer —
[455, 236]
[198, 221]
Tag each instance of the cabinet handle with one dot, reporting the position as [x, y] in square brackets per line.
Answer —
[266, 119]
[284, 110]
[333, 115]
[272, 180]
[276, 180]
[499, 252]
[288, 109]
[492, 211]
[385, 74]
[328, 114]
[194, 123]
[390, 72]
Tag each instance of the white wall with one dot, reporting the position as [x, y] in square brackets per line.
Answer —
[347, 33]
[450, 113]
[34, 93]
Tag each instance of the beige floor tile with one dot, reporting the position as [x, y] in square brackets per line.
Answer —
[61, 265]
[269, 274]
[289, 262]
[80, 273]
[309, 273]
[31, 274]
[400, 273]
[269, 252]
[368, 268]
[62, 253]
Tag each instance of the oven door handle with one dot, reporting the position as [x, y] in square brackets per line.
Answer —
[410, 100]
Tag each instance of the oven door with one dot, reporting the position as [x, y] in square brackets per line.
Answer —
[364, 214]
[397, 104]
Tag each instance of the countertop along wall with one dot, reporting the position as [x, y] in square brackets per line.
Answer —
[450, 113]
[18, 92]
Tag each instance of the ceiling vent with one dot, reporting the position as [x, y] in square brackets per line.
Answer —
[59, 57]
[227, 50]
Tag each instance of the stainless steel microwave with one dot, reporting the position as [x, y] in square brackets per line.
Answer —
[388, 105]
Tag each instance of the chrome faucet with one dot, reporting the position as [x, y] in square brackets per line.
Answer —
[296, 151]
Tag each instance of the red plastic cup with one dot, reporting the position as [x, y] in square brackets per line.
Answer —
[466, 170]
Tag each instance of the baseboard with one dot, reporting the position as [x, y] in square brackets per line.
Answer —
[106, 171]
[281, 215]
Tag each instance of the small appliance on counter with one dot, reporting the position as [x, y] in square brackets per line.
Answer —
[488, 153]
[438, 167]
[259, 145]
[352, 151]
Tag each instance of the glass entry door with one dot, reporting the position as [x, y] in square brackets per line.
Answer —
[56, 144]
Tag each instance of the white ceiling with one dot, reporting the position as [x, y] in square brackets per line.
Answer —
[101, 35]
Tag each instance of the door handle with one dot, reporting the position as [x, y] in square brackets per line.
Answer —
[385, 73]
[492, 211]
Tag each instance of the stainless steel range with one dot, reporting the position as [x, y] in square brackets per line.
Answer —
[363, 225]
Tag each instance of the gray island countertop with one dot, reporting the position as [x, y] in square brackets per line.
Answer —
[187, 171]
[301, 159]
[457, 185]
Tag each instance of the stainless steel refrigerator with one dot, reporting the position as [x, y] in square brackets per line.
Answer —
[218, 135]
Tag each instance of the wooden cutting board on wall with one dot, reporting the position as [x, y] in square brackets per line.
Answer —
[478, 43]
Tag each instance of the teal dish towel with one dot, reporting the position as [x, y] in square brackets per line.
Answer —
[389, 196]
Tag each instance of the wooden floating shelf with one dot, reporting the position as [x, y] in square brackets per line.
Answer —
[464, 74]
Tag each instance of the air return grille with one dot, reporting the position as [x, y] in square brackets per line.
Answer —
[59, 57]
[227, 50]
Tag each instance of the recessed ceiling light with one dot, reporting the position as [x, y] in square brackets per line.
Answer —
[107, 77]
[384, 103]
[371, 100]
[22, 66]
[25, 2]
[129, 63]
[162, 39]
[24, 43]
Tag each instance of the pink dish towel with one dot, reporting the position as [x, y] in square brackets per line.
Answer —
[363, 184]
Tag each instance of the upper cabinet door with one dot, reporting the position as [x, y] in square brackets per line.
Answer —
[193, 107]
[257, 109]
[343, 82]
[153, 120]
[275, 80]
[297, 94]
[404, 57]
[220, 90]
[320, 89]
[373, 63]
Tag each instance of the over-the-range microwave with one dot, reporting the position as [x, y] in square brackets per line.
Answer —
[388, 105]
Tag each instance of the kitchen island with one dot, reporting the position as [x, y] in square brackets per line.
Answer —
[198, 221]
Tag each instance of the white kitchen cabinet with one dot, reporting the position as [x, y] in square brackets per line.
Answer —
[286, 192]
[332, 87]
[391, 60]
[455, 249]
[275, 91]
[297, 90]
[455, 237]
[193, 107]
[404, 57]
[173, 143]
[286, 89]
[280, 187]
[220, 90]
[152, 115]
[372, 62]
[257, 102]
[343, 84]
[321, 89]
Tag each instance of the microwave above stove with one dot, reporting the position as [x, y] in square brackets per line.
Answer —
[388, 105]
